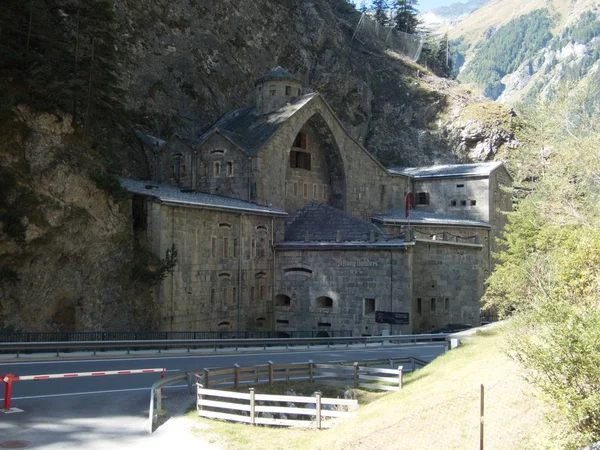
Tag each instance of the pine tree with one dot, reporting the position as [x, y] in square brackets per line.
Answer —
[380, 7]
[363, 7]
[405, 18]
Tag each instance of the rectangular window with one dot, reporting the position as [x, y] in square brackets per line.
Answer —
[172, 172]
[299, 91]
[460, 185]
[251, 294]
[325, 192]
[453, 203]
[235, 248]
[233, 294]
[305, 190]
[463, 203]
[288, 90]
[216, 169]
[300, 160]
[419, 306]
[369, 306]
[253, 248]
[272, 90]
[422, 198]
[213, 247]
[473, 202]
[212, 296]
[446, 304]
[183, 173]
[433, 306]
[315, 191]
[223, 296]
[229, 168]
[225, 247]
[295, 189]
[287, 191]
[261, 294]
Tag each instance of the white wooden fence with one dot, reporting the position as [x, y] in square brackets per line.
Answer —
[241, 407]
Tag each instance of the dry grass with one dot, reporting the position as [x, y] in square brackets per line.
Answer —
[438, 408]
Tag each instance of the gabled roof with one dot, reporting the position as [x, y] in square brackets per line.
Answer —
[173, 195]
[321, 222]
[398, 216]
[250, 131]
[276, 74]
[448, 170]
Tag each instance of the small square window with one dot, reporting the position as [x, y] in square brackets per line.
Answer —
[369, 306]
[463, 203]
[460, 185]
[422, 198]
[473, 202]
[453, 203]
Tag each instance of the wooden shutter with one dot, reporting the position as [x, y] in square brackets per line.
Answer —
[293, 159]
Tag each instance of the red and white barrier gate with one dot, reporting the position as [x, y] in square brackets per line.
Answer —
[9, 379]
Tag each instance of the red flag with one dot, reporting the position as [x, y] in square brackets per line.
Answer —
[407, 204]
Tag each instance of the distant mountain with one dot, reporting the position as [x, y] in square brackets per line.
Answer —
[459, 8]
[517, 51]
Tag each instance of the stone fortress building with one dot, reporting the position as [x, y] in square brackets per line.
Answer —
[283, 221]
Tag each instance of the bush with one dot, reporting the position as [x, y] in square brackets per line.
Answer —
[110, 184]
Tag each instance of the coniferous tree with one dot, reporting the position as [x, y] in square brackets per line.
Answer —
[405, 17]
[380, 14]
[363, 7]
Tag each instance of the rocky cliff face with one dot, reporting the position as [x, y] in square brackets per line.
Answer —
[67, 249]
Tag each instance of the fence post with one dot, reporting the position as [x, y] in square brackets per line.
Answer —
[311, 371]
[199, 394]
[189, 380]
[356, 374]
[271, 372]
[414, 364]
[252, 411]
[318, 409]
[400, 377]
[236, 375]
[206, 379]
[158, 394]
[481, 418]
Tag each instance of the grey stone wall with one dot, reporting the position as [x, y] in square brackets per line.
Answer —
[449, 276]
[449, 233]
[224, 273]
[303, 186]
[358, 184]
[454, 197]
[347, 277]
[501, 201]
[223, 169]
[272, 95]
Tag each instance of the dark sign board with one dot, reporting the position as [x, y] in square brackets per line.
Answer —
[396, 318]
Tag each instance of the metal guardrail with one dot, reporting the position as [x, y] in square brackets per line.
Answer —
[77, 336]
[188, 344]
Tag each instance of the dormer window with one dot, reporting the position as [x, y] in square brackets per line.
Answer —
[288, 90]
[216, 169]
[272, 90]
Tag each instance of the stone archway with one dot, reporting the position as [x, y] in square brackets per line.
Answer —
[333, 158]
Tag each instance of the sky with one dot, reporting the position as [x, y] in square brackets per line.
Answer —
[426, 5]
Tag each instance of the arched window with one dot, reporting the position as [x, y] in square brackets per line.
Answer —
[282, 300]
[324, 302]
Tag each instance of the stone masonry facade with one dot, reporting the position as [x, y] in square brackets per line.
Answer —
[282, 221]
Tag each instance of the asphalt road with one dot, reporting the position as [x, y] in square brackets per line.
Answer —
[107, 412]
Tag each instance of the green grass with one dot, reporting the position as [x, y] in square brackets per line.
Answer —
[438, 408]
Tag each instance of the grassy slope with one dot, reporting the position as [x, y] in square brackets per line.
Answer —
[438, 408]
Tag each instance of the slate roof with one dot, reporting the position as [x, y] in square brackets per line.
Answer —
[278, 73]
[173, 195]
[322, 222]
[448, 170]
[151, 141]
[250, 131]
[397, 216]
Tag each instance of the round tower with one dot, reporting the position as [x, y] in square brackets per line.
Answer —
[276, 89]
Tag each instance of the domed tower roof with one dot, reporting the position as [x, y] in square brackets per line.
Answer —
[277, 74]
